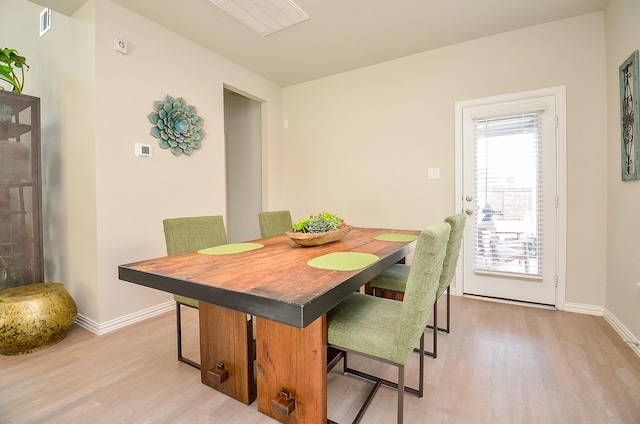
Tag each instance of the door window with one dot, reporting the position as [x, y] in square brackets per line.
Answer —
[508, 176]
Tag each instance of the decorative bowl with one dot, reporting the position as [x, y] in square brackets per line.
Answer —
[34, 317]
[317, 239]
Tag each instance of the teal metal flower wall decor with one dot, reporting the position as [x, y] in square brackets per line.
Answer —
[176, 125]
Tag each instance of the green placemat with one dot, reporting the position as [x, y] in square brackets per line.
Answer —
[343, 261]
[397, 237]
[228, 249]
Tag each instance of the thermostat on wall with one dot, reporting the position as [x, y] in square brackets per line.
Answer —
[143, 150]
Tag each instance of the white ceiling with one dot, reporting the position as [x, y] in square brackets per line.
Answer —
[342, 35]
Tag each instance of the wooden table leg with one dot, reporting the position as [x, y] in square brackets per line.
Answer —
[292, 371]
[226, 352]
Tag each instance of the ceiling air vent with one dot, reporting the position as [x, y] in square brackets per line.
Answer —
[45, 21]
[264, 17]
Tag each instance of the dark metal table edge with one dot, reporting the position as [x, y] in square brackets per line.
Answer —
[295, 315]
[286, 313]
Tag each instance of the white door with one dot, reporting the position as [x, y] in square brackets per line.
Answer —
[509, 192]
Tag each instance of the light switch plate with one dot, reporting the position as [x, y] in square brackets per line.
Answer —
[433, 173]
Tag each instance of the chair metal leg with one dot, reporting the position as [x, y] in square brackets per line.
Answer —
[448, 309]
[416, 392]
[447, 329]
[367, 402]
[433, 353]
[435, 331]
[421, 377]
[179, 330]
[378, 382]
[401, 392]
[179, 335]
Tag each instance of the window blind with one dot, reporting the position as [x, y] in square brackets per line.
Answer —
[508, 180]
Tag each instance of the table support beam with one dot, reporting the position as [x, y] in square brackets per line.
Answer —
[227, 352]
[294, 361]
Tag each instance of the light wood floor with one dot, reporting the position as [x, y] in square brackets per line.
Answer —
[501, 364]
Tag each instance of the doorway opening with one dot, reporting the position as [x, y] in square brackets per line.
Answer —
[243, 159]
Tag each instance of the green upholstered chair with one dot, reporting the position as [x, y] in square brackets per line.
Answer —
[274, 223]
[388, 330]
[394, 279]
[189, 234]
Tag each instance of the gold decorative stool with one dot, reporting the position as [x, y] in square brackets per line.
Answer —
[34, 317]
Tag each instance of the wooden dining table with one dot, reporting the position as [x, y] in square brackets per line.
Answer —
[277, 282]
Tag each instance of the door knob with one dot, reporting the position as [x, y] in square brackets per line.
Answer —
[468, 198]
[469, 211]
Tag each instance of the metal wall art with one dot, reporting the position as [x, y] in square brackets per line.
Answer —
[176, 125]
[630, 118]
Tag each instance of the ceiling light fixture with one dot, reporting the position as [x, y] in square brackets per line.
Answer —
[263, 16]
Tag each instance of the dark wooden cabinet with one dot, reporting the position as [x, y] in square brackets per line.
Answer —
[21, 256]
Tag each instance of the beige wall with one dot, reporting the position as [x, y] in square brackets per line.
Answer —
[359, 143]
[623, 293]
[135, 194]
[75, 244]
[110, 204]
[61, 73]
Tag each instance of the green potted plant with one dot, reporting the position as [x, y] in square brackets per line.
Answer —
[319, 224]
[319, 229]
[10, 62]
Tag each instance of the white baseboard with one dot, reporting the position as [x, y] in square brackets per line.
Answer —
[614, 322]
[584, 309]
[107, 327]
[600, 311]
[627, 336]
